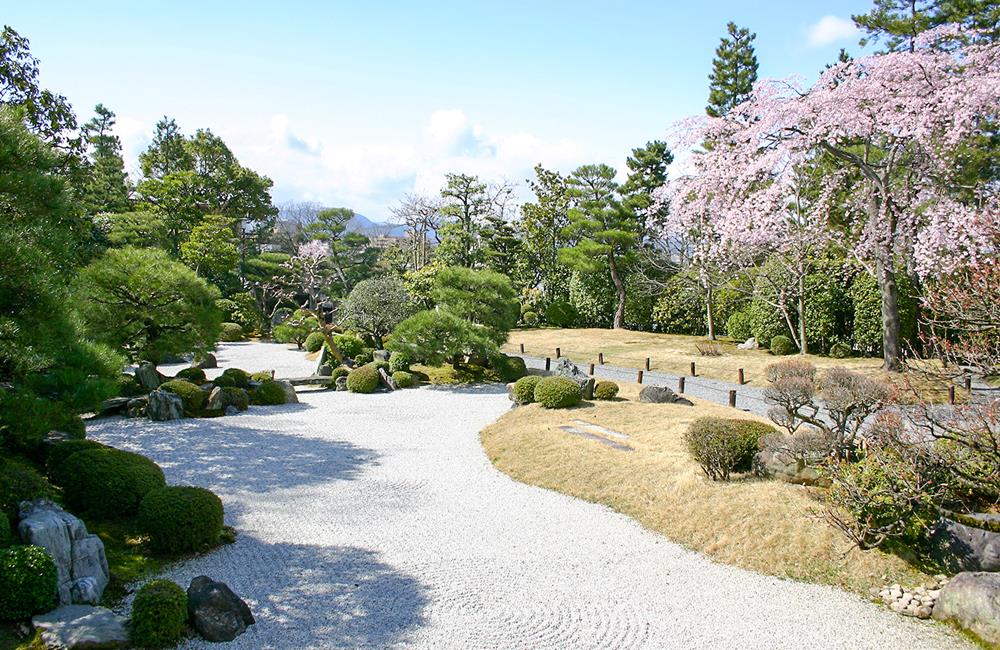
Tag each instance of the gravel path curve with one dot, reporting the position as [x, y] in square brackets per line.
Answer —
[378, 521]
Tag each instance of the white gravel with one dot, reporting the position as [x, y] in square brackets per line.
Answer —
[377, 521]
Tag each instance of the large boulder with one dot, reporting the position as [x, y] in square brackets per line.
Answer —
[749, 344]
[114, 406]
[164, 405]
[794, 458]
[569, 370]
[137, 407]
[215, 611]
[148, 377]
[965, 546]
[290, 396]
[662, 395]
[81, 566]
[81, 626]
[973, 601]
[208, 361]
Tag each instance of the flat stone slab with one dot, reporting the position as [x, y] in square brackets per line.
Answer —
[81, 626]
[593, 436]
[604, 430]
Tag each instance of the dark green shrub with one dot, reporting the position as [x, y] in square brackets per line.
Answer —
[341, 371]
[765, 321]
[781, 345]
[231, 332]
[680, 308]
[193, 375]
[524, 389]
[381, 365]
[557, 392]
[739, 326]
[841, 350]
[269, 393]
[181, 519]
[530, 318]
[722, 446]
[560, 313]
[224, 381]
[593, 297]
[159, 612]
[108, 483]
[59, 452]
[349, 345]
[366, 356]
[129, 386]
[262, 375]
[26, 419]
[605, 390]
[364, 379]
[399, 362]
[241, 378]
[510, 368]
[27, 582]
[20, 482]
[236, 397]
[404, 379]
[192, 396]
[6, 533]
[314, 342]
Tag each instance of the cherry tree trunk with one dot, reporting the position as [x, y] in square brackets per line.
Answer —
[891, 350]
[801, 308]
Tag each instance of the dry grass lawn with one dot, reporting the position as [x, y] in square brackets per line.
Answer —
[766, 526]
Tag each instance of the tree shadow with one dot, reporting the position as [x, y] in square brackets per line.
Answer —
[224, 455]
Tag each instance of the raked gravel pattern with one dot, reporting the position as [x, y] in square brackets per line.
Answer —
[377, 521]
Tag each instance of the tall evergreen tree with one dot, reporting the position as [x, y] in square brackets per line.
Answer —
[466, 204]
[166, 153]
[647, 171]
[542, 223]
[107, 187]
[734, 71]
[898, 22]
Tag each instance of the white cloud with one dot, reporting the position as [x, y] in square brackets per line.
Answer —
[830, 29]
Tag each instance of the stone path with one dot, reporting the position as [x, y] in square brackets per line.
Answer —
[377, 521]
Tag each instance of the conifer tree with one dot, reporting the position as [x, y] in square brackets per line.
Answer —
[107, 188]
[734, 71]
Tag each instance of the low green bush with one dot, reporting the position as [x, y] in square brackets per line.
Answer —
[232, 332]
[781, 345]
[524, 389]
[557, 392]
[341, 371]
[381, 365]
[363, 379]
[509, 368]
[722, 446]
[181, 519]
[193, 375]
[20, 482]
[27, 582]
[129, 386]
[349, 345]
[269, 393]
[192, 396]
[605, 390]
[236, 397]
[159, 612]
[108, 483]
[530, 318]
[314, 342]
[399, 362]
[59, 452]
[841, 350]
[224, 381]
[561, 314]
[404, 379]
[6, 532]
[367, 355]
[240, 378]
[262, 375]
[739, 326]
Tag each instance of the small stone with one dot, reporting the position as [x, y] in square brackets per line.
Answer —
[208, 362]
[216, 612]
[81, 626]
[340, 383]
[923, 612]
[325, 370]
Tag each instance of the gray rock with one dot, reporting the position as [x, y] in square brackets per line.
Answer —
[137, 407]
[232, 410]
[380, 355]
[81, 566]
[973, 601]
[148, 377]
[662, 395]
[216, 400]
[962, 547]
[215, 611]
[387, 379]
[164, 406]
[325, 370]
[114, 405]
[568, 369]
[749, 344]
[81, 626]
[340, 383]
[208, 362]
[290, 396]
[794, 459]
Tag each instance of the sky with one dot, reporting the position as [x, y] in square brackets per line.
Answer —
[356, 103]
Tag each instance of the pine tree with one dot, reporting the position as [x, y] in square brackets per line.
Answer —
[167, 152]
[734, 71]
[107, 187]
[647, 171]
[898, 22]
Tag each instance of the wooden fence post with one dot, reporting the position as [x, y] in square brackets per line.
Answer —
[548, 363]
[732, 399]
[951, 394]
[647, 363]
[693, 373]
[558, 353]
[680, 384]
[522, 348]
[591, 373]
[639, 378]
[968, 383]
[739, 377]
[600, 358]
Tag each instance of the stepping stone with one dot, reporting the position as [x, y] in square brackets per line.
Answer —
[606, 431]
[593, 436]
[81, 626]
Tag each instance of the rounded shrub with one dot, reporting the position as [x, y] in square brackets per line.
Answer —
[605, 390]
[399, 362]
[781, 345]
[314, 342]
[159, 612]
[557, 392]
[269, 393]
[524, 389]
[560, 313]
[404, 379]
[240, 378]
[739, 326]
[193, 375]
[530, 318]
[381, 365]
[232, 332]
[20, 482]
[224, 381]
[27, 582]
[363, 379]
[192, 396]
[108, 483]
[841, 350]
[59, 452]
[721, 446]
[349, 345]
[341, 371]
[365, 356]
[236, 397]
[510, 368]
[262, 375]
[181, 519]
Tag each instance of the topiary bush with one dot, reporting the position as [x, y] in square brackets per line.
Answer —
[20, 482]
[236, 397]
[739, 326]
[59, 452]
[192, 396]
[314, 342]
[530, 318]
[399, 362]
[224, 381]
[722, 446]
[841, 350]
[193, 375]
[341, 371]
[557, 392]
[349, 345]
[367, 355]
[605, 390]
[363, 379]
[181, 519]
[781, 346]
[159, 612]
[524, 389]
[240, 378]
[510, 368]
[231, 332]
[560, 313]
[404, 379]
[27, 582]
[108, 483]
[269, 393]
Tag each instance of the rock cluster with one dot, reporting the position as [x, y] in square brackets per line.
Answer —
[569, 370]
[918, 602]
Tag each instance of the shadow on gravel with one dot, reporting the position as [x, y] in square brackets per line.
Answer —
[470, 389]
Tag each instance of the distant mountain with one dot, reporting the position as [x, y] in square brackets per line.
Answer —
[362, 224]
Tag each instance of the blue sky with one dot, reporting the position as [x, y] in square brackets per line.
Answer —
[355, 103]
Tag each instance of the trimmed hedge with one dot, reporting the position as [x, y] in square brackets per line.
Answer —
[722, 446]
[192, 396]
[236, 397]
[399, 362]
[530, 318]
[341, 371]
[314, 342]
[841, 350]
[782, 345]
[524, 389]
[269, 393]
[240, 378]
[59, 452]
[108, 483]
[20, 482]
[181, 519]
[27, 582]
[363, 380]
[404, 379]
[605, 390]
[510, 368]
[159, 612]
[232, 332]
[262, 375]
[224, 381]
[557, 392]
[561, 314]
[349, 345]
[193, 375]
